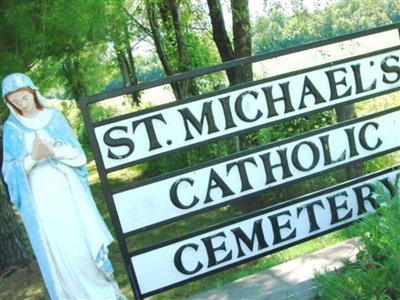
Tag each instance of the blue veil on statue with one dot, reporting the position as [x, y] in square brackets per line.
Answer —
[66, 231]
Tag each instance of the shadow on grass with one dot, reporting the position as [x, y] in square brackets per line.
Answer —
[23, 284]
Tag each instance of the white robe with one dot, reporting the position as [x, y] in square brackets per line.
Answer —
[70, 229]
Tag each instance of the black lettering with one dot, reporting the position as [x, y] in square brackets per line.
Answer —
[257, 233]
[390, 186]
[296, 159]
[271, 100]
[276, 227]
[178, 260]
[206, 114]
[240, 164]
[266, 159]
[390, 69]
[227, 112]
[362, 198]
[212, 260]
[363, 139]
[358, 79]
[173, 194]
[327, 151]
[151, 133]
[310, 89]
[109, 141]
[352, 141]
[216, 181]
[311, 214]
[239, 107]
[334, 207]
[333, 84]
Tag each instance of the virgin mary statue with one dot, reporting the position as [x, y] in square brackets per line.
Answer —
[44, 168]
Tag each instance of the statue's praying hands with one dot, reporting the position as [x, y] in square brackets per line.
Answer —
[41, 149]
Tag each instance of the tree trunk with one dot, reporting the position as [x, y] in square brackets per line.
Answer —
[13, 251]
[131, 67]
[189, 86]
[72, 72]
[242, 37]
[344, 113]
[171, 22]
[165, 8]
[123, 67]
[128, 78]
[182, 51]
[220, 36]
[242, 45]
[155, 32]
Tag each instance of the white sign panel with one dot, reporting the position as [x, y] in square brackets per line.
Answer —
[130, 139]
[257, 235]
[256, 171]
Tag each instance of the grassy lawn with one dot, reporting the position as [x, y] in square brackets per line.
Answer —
[27, 284]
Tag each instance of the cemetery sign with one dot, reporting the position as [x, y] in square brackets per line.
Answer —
[136, 207]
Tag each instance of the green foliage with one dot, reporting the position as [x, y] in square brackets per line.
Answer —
[184, 159]
[382, 162]
[19, 47]
[297, 126]
[38, 37]
[277, 30]
[376, 272]
[200, 50]
[33, 30]
[274, 22]
[148, 68]
[74, 116]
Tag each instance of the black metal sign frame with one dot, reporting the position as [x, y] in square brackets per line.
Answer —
[103, 171]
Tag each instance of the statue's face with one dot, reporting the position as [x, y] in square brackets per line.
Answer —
[24, 100]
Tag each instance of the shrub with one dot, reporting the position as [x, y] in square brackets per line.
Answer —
[376, 271]
[74, 116]
[187, 158]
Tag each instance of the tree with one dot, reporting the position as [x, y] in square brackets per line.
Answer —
[120, 34]
[169, 13]
[172, 7]
[13, 252]
[241, 37]
[241, 47]
[160, 48]
[71, 69]
[220, 36]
